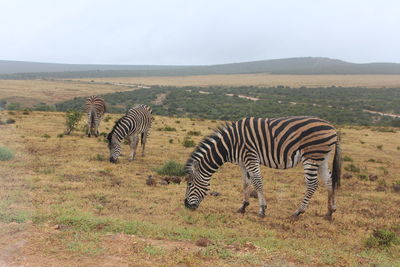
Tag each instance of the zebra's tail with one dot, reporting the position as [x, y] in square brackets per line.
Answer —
[337, 166]
[92, 118]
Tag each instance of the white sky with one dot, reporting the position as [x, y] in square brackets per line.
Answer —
[198, 32]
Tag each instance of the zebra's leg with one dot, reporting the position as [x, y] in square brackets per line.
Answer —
[253, 168]
[325, 174]
[144, 140]
[97, 122]
[133, 142]
[311, 179]
[246, 191]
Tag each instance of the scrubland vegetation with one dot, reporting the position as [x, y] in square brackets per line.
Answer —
[63, 203]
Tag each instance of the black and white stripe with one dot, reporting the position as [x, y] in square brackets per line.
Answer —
[279, 143]
[95, 108]
[137, 120]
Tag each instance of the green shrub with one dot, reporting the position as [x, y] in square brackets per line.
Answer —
[188, 142]
[10, 121]
[72, 120]
[352, 168]
[171, 168]
[379, 147]
[194, 133]
[46, 136]
[362, 177]
[60, 135]
[381, 238]
[5, 154]
[171, 141]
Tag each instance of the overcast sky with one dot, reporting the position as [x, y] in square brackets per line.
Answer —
[198, 32]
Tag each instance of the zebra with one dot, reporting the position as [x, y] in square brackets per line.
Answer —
[137, 120]
[279, 143]
[95, 108]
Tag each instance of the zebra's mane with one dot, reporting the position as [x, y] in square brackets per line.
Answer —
[109, 136]
[218, 131]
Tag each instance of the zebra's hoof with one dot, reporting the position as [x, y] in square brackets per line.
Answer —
[328, 216]
[261, 215]
[241, 210]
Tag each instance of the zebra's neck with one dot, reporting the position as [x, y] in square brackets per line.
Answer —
[122, 128]
[213, 152]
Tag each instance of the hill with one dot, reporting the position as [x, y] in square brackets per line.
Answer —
[297, 66]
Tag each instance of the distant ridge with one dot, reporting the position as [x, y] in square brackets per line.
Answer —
[300, 66]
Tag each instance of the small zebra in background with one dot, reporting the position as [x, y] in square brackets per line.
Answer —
[95, 108]
[279, 143]
[137, 120]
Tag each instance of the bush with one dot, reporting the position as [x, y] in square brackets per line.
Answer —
[194, 133]
[60, 135]
[5, 154]
[188, 142]
[379, 147]
[46, 136]
[10, 121]
[14, 106]
[381, 238]
[72, 120]
[171, 168]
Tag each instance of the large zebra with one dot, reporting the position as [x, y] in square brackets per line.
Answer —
[278, 143]
[95, 108]
[137, 120]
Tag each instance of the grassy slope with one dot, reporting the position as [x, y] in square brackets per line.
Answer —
[108, 215]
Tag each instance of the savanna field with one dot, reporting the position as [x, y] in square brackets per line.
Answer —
[63, 203]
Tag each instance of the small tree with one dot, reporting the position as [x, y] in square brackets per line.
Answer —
[72, 119]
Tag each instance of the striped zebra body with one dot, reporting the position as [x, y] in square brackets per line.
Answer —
[137, 120]
[279, 143]
[95, 107]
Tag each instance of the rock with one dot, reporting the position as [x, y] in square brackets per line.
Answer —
[396, 188]
[373, 177]
[163, 182]
[203, 242]
[61, 227]
[347, 176]
[150, 181]
[215, 194]
[167, 179]
[254, 194]
[175, 180]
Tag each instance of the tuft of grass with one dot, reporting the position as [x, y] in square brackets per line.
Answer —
[347, 158]
[381, 238]
[46, 136]
[98, 157]
[171, 168]
[60, 135]
[385, 171]
[10, 121]
[187, 142]
[5, 154]
[152, 250]
[352, 168]
[167, 129]
[171, 141]
[379, 147]
[371, 160]
[363, 177]
[194, 133]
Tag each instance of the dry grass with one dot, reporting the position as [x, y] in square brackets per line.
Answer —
[31, 92]
[266, 80]
[77, 208]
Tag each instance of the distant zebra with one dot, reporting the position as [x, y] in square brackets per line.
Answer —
[279, 143]
[95, 108]
[137, 120]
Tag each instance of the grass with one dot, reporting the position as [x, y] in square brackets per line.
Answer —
[352, 168]
[187, 142]
[107, 212]
[381, 238]
[5, 154]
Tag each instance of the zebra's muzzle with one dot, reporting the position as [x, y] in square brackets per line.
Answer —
[190, 206]
[112, 160]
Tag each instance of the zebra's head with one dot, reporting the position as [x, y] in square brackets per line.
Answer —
[115, 148]
[197, 185]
